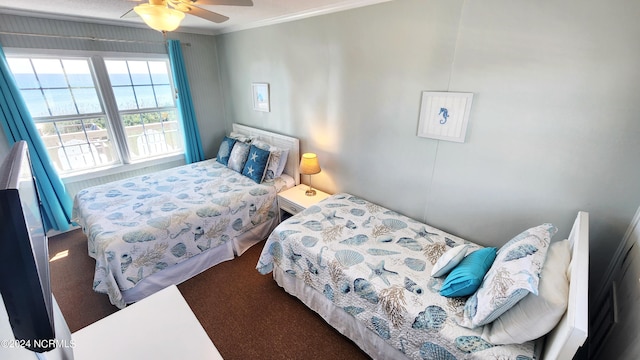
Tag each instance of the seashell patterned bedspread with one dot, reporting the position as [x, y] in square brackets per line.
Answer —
[139, 226]
[376, 264]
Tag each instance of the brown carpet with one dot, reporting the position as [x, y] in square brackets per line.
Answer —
[246, 315]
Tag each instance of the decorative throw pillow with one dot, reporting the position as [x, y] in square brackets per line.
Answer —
[274, 159]
[513, 275]
[272, 165]
[256, 164]
[534, 316]
[238, 156]
[225, 150]
[277, 161]
[465, 278]
[283, 162]
[449, 260]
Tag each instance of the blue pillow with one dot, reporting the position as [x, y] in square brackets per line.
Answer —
[256, 164]
[225, 150]
[467, 277]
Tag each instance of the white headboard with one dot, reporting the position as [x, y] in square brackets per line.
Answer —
[292, 168]
[572, 330]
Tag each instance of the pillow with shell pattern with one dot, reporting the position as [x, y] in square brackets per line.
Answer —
[514, 274]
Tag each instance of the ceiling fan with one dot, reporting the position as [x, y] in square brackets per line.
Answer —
[166, 15]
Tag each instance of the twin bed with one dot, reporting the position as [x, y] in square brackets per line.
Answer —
[363, 268]
[366, 270]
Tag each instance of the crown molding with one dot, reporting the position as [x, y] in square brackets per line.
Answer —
[346, 5]
[323, 10]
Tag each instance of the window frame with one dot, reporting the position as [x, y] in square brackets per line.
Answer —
[117, 134]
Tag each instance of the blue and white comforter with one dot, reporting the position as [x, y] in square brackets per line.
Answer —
[138, 226]
[376, 265]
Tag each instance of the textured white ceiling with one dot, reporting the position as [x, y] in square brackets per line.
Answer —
[263, 12]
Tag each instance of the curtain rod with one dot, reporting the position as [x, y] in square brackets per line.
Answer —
[91, 38]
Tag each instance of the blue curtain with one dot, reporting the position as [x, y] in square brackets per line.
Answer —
[18, 125]
[192, 144]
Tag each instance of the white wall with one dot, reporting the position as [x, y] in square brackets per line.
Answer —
[553, 127]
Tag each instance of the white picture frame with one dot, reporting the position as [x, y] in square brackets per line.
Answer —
[444, 115]
[260, 92]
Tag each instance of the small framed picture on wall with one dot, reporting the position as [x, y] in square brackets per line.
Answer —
[260, 93]
[444, 115]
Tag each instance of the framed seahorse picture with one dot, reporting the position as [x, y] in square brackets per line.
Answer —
[444, 115]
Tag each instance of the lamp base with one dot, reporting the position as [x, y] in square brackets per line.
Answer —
[310, 192]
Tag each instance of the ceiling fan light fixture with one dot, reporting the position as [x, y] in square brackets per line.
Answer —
[159, 17]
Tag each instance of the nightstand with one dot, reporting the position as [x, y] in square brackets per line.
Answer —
[294, 200]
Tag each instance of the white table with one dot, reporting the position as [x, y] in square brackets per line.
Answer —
[161, 326]
[294, 200]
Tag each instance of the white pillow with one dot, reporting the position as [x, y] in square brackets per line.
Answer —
[240, 137]
[283, 161]
[449, 260]
[534, 316]
[261, 144]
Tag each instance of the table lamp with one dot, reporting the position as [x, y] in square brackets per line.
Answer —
[309, 166]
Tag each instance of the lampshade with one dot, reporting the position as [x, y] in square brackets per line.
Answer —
[309, 164]
[159, 17]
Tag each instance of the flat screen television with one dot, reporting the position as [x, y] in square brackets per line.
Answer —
[24, 256]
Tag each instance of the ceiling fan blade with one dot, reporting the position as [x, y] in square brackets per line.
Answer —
[206, 14]
[129, 14]
[219, 2]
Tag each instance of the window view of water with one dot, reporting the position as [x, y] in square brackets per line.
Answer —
[63, 98]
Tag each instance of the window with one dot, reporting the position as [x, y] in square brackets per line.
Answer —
[146, 106]
[95, 112]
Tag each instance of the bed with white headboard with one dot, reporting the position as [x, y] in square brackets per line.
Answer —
[292, 168]
[152, 231]
[365, 269]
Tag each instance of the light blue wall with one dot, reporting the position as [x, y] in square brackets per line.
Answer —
[553, 129]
